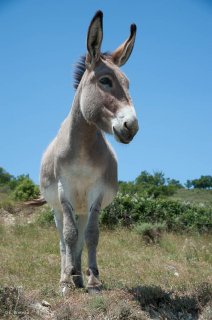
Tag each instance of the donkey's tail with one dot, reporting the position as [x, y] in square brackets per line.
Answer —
[35, 202]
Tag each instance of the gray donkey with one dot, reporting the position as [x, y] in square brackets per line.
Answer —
[79, 168]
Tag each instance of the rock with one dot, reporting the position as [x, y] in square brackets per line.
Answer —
[41, 310]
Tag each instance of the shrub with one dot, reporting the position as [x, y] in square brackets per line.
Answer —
[26, 190]
[7, 205]
[127, 210]
[45, 218]
[122, 211]
[5, 177]
[151, 233]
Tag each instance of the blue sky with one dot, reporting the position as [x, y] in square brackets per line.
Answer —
[170, 74]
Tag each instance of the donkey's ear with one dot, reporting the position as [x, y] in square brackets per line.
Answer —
[94, 39]
[122, 53]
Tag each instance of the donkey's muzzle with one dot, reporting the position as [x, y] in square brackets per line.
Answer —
[126, 132]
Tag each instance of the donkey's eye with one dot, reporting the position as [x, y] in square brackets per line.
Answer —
[105, 81]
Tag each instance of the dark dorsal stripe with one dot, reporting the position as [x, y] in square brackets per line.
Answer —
[80, 68]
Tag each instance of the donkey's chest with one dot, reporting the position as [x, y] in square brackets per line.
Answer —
[83, 174]
[85, 178]
[79, 180]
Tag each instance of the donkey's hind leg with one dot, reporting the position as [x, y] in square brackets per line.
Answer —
[92, 239]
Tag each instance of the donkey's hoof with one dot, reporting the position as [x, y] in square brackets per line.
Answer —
[94, 286]
[66, 289]
[78, 281]
[94, 290]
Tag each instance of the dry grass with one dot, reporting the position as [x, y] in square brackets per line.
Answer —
[178, 262]
[168, 280]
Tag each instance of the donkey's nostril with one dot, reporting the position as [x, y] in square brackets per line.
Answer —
[126, 125]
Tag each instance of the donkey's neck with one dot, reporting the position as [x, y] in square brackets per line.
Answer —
[82, 135]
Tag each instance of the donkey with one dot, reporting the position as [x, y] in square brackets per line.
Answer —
[79, 168]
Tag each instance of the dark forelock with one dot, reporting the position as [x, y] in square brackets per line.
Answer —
[80, 68]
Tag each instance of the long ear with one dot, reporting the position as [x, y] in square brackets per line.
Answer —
[122, 53]
[94, 39]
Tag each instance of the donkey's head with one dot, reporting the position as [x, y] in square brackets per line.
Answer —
[104, 89]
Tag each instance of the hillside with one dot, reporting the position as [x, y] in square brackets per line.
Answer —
[195, 196]
[147, 274]
[168, 280]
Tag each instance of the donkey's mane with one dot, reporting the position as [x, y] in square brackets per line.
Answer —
[80, 68]
[79, 71]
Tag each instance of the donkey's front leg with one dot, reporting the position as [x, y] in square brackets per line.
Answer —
[70, 235]
[91, 239]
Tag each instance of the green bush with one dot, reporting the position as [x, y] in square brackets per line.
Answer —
[127, 210]
[151, 233]
[153, 185]
[146, 189]
[5, 177]
[25, 190]
[45, 218]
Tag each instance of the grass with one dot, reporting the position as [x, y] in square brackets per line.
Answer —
[25, 249]
[130, 269]
[127, 261]
[168, 277]
[194, 196]
[29, 256]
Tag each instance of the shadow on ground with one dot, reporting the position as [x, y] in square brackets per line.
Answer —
[160, 304]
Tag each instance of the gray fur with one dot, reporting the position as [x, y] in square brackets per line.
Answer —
[79, 168]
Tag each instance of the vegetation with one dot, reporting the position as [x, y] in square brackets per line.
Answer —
[154, 281]
[199, 197]
[204, 182]
[150, 199]
[146, 185]
[157, 185]
[151, 185]
[26, 190]
[151, 233]
[153, 198]
[127, 210]
[5, 177]
[19, 188]
[151, 266]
